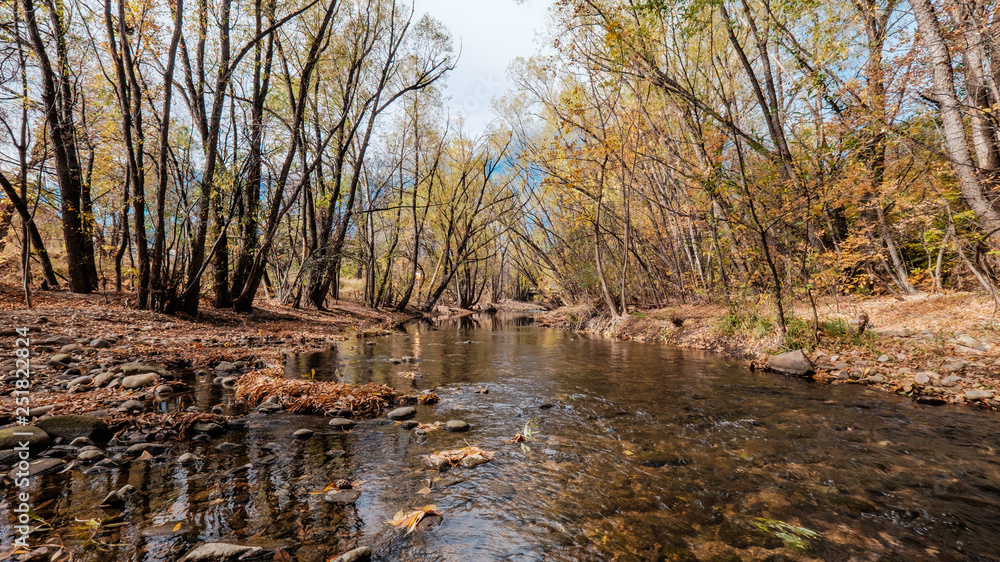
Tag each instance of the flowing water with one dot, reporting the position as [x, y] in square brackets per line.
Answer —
[639, 452]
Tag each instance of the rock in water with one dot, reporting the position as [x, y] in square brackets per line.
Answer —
[37, 438]
[35, 468]
[456, 425]
[342, 497]
[342, 423]
[221, 552]
[792, 362]
[139, 381]
[72, 426]
[362, 554]
[403, 413]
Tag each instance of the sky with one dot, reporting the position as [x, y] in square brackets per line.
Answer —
[490, 34]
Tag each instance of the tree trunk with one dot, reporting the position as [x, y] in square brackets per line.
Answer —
[955, 139]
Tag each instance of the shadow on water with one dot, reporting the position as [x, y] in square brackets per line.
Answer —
[640, 452]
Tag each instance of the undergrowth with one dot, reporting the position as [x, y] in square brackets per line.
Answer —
[751, 324]
[837, 332]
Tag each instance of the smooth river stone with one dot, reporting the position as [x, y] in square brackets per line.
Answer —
[403, 413]
[342, 497]
[342, 423]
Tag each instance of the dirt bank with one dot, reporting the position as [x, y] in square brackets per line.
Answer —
[936, 348]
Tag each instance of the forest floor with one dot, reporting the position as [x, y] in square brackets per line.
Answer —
[936, 348]
[98, 334]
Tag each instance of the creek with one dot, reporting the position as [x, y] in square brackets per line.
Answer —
[638, 452]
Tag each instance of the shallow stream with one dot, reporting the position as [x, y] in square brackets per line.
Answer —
[638, 452]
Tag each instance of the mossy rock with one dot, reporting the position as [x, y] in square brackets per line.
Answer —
[37, 441]
[70, 427]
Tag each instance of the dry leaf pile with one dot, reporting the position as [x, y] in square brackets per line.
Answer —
[313, 397]
[176, 423]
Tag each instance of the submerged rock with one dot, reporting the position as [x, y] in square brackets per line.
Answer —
[222, 552]
[792, 362]
[361, 554]
[35, 468]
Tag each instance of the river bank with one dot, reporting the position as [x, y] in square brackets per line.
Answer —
[935, 348]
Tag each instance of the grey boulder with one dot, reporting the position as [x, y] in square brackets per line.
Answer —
[792, 363]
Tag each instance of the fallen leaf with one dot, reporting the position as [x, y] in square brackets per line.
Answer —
[424, 490]
[145, 456]
[412, 519]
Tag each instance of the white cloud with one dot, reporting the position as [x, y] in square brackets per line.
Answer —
[490, 34]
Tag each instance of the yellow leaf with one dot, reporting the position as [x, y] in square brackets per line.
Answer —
[627, 452]
[424, 490]
[176, 527]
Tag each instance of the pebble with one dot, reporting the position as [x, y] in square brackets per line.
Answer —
[187, 458]
[951, 380]
[304, 433]
[978, 394]
[456, 425]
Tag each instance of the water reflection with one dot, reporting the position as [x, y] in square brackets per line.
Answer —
[640, 452]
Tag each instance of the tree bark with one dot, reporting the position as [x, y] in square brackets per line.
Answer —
[955, 139]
